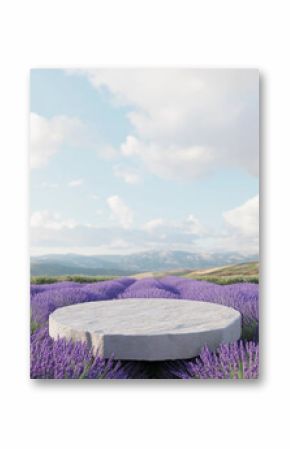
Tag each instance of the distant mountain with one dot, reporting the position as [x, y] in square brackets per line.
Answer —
[122, 265]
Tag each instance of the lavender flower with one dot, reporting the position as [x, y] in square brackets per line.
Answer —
[239, 360]
[62, 359]
[149, 288]
[65, 359]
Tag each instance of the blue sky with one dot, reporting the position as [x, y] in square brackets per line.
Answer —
[162, 159]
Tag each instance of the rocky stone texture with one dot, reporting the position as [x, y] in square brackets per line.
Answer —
[147, 329]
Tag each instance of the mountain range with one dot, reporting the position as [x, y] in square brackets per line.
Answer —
[122, 265]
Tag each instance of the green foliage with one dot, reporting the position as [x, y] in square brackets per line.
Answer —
[250, 331]
[226, 280]
[34, 326]
[74, 278]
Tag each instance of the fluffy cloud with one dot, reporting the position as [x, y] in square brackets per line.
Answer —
[170, 161]
[48, 135]
[154, 224]
[108, 240]
[187, 122]
[191, 225]
[245, 218]
[120, 211]
[50, 220]
[128, 175]
[239, 236]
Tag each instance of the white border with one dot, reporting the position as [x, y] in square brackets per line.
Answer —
[137, 414]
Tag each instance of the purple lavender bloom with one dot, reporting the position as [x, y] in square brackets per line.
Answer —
[106, 290]
[239, 360]
[62, 359]
[48, 299]
[127, 281]
[149, 288]
[243, 297]
[45, 302]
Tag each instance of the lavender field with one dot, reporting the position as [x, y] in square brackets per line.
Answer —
[63, 359]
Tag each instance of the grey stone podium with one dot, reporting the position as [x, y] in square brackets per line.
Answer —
[147, 329]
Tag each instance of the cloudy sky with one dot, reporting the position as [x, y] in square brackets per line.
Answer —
[138, 159]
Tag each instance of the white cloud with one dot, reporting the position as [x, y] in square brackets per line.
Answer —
[48, 135]
[169, 161]
[187, 122]
[128, 175]
[131, 147]
[189, 226]
[76, 182]
[154, 224]
[193, 226]
[241, 234]
[245, 218]
[114, 247]
[121, 211]
[50, 220]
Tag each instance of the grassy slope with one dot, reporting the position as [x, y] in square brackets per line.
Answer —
[243, 272]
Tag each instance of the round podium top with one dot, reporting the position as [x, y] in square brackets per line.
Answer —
[147, 329]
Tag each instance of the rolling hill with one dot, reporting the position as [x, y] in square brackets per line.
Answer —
[179, 262]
